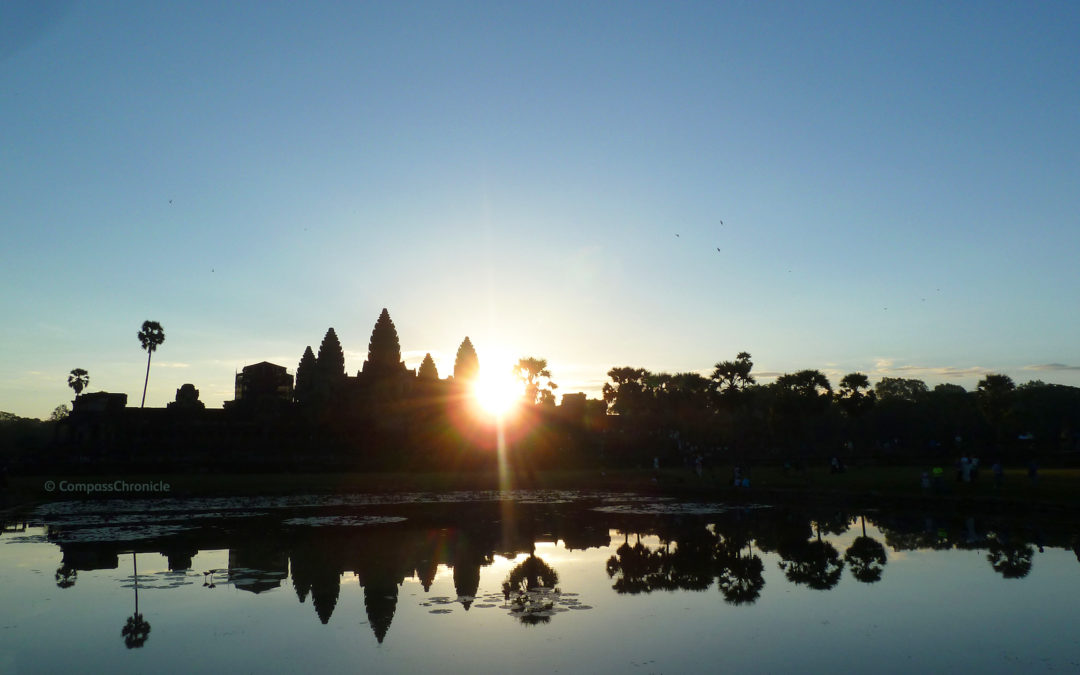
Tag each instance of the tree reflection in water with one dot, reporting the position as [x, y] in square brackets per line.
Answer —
[686, 552]
[531, 589]
[635, 566]
[866, 557]
[137, 629]
[1009, 558]
[815, 563]
[66, 577]
[739, 577]
[690, 566]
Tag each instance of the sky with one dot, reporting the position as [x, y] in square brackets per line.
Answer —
[888, 188]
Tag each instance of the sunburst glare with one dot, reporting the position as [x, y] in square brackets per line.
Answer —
[497, 392]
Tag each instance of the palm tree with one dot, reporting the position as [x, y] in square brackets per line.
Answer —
[536, 377]
[855, 395]
[78, 380]
[151, 335]
[732, 377]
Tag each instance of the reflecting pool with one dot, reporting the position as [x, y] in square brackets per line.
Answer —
[531, 582]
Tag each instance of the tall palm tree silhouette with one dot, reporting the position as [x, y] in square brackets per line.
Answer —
[151, 336]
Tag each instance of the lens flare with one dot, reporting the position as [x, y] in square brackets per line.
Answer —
[497, 395]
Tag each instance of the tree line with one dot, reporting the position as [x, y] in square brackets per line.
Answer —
[802, 415]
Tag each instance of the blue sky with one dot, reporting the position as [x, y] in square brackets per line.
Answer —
[897, 185]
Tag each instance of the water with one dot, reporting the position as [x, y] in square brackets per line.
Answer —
[530, 582]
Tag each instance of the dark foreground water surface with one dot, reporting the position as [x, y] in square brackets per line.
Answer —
[531, 582]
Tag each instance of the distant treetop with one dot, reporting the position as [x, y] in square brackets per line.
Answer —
[466, 364]
[900, 389]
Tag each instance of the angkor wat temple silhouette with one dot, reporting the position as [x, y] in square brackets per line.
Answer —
[324, 414]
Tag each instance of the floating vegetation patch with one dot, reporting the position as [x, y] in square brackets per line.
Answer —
[672, 508]
[538, 605]
[341, 521]
[161, 580]
[26, 539]
[117, 533]
[237, 506]
[134, 518]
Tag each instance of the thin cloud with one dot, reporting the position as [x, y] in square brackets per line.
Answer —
[766, 374]
[1051, 367]
[171, 364]
[885, 367]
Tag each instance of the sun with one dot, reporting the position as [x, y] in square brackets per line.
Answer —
[497, 394]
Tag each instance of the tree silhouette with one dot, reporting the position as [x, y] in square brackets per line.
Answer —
[78, 380]
[150, 337]
[801, 400]
[136, 630]
[995, 396]
[731, 377]
[534, 374]
[466, 364]
[427, 369]
[900, 389]
[866, 557]
[629, 396]
[306, 377]
[855, 395]
[810, 385]
[59, 412]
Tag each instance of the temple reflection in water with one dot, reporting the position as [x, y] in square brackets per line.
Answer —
[644, 549]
